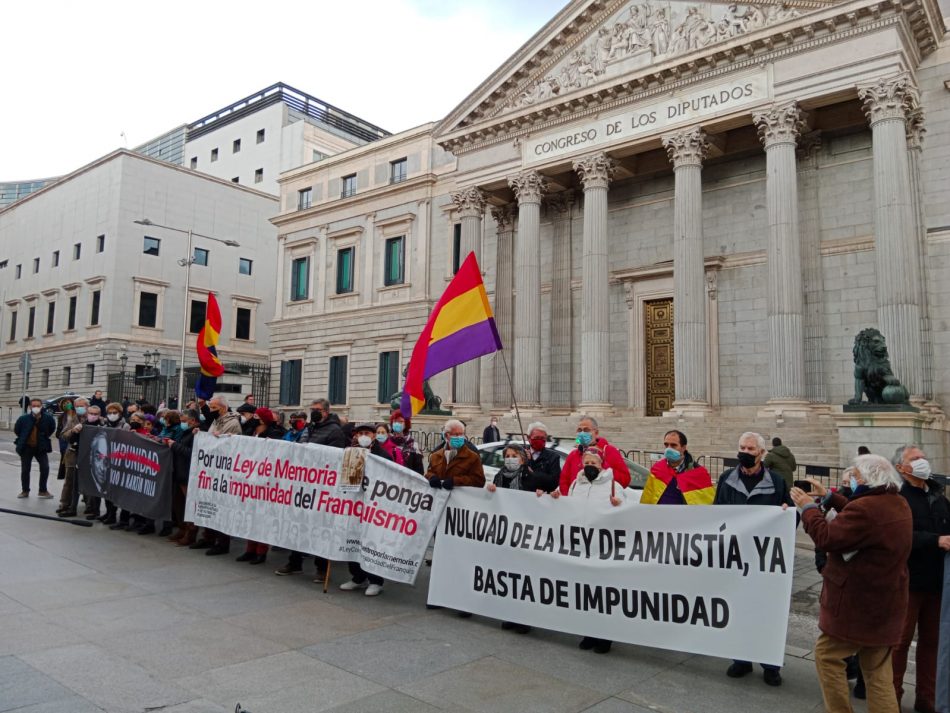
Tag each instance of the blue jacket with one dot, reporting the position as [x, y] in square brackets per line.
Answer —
[23, 426]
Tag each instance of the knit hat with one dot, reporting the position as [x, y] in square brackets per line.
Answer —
[371, 427]
[265, 415]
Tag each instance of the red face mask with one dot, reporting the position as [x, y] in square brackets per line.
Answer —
[299, 424]
[537, 443]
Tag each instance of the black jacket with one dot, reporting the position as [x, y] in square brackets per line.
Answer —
[181, 457]
[770, 490]
[325, 433]
[545, 471]
[491, 434]
[274, 431]
[931, 513]
[45, 428]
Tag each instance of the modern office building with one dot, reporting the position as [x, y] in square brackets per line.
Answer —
[12, 191]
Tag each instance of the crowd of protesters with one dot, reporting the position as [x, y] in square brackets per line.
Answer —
[880, 538]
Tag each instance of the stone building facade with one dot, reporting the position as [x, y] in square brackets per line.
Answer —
[685, 212]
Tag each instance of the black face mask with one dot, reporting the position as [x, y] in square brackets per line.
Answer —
[746, 460]
[591, 472]
[316, 416]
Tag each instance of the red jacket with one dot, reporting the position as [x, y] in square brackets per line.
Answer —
[612, 459]
[394, 451]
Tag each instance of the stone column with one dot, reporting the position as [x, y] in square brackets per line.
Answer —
[888, 104]
[528, 187]
[809, 146]
[687, 149]
[470, 203]
[560, 208]
[779, 128]
[594, 172]
[504, 304]
[915, 139]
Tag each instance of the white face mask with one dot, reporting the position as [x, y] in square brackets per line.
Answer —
[364, 441]
[113, 417]
[35, 410]
[512, 463]
[243, 419]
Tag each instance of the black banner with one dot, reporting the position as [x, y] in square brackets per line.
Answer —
[132, 471]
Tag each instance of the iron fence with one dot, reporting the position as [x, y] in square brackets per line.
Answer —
[156, 388]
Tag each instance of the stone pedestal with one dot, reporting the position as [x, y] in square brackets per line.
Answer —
[884, 431]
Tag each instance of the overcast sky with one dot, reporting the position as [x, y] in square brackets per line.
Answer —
[79, 74]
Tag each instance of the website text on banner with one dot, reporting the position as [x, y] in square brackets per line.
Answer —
[708, 580]
[339, 504]
[127, 469]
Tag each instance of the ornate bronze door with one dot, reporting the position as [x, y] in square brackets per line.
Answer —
[658, 346]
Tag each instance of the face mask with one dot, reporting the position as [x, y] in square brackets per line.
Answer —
[243, 419]
[746, 460]
[398, 427]
[299, 424]
[67, 407]
[364, 441]
[113, 417]
[920, 468]
[161, 421]
[81, 410]
[457, 442]
[35, 410]
[512, 463]
[201, 417]
[316, 416]
[584, 438]
[92, 418]
[672, 455]
[382, 437]
[591, 471]
[183, 426]
[854, 483]
[537, 443]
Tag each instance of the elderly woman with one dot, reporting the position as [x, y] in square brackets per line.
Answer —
[865, 588]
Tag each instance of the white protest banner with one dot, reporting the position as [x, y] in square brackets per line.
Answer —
[342, 505]
[713, 580]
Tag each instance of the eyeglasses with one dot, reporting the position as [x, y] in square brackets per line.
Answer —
[671, 445]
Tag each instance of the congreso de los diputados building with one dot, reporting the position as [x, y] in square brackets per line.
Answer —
[685, 214]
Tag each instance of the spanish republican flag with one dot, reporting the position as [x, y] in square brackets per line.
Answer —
[211, 366]
[460, 328]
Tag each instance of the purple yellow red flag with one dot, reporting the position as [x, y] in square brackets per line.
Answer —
[211, 366]
[460, 328]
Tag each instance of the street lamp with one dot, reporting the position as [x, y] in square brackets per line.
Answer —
[185, 262]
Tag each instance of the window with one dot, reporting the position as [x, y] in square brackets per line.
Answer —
[236, 179]
[397, 171]
[303, 198]
[36, 265]
[260, 136]
[456, 247]
[56, 258]
[151, 246]
[393, 270]
[30, 323]
[244, 266]
[214, 155]
[388, 381]
[19, 271]
[90, 374]
[8, 381]
[349, 185]
[13, 315]
[71, 316]
[148, 309]
[94, 312]
[337, 390]
[194, 162]
[50, 317]
[318, 155]
[236, 146]
[300, 279]
[197, 318]
[344, 270]
[100, 243]
[44, 379]
[242, 324]
[201, 257]
[3, 263]
[77, 251]
[259, 175]
[67, 375]
[290, 382]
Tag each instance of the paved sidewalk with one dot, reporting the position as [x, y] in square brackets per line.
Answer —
[94, 620]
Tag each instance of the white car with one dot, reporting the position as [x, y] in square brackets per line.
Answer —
[492, 459]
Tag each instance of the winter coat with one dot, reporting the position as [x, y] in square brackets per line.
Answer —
[770, 490]
[780, 460]
[181, 457]
[612, 460]
[394, 451]
[545, 470]
[693, 482]
[294, 436]
[931, 515]
[121, 424]
[464, 467]
[604, 486]
[45, 428]
[411, 456]
[491, 434]
[226, 424]
[864, 599]
[273, 431]
[325, 433]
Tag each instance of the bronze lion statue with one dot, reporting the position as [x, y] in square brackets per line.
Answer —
[872, 371]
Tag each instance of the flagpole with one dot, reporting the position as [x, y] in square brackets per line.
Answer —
[511, 386]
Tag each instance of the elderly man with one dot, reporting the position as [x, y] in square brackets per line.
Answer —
[324, 428]
[34, 430]
[751, 483]
[225, 423]
[588, 434]
[676, 479]
[864, 592]
[931, 541]
[455, 463]
[545, 463]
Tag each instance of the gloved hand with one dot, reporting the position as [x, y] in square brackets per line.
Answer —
[435, 482]
[448, 483]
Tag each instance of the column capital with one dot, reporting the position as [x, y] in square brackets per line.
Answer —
[528, 186]
[470, 202]
[915, 128]
[687, 147]
[889, 98]
[560, 202]
[595, 170]
[808, 147]
[780, 124]
[504, 216]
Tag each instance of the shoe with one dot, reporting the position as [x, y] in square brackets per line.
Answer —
[45, 494]
[587, 643]
[738, 670]
[67, 513]
[165, 531]
[92, 516]
[258, 559]
[860, 692]
[109, 520]
[146, 530]
[218, 550]
[287, 569]
[602, 646]
[374, 590]
[119, 526]
[246, 557]
[321, 577]
[24, 494]
[351, 585]
[201, 545]
[923, 707]
[772, 677]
